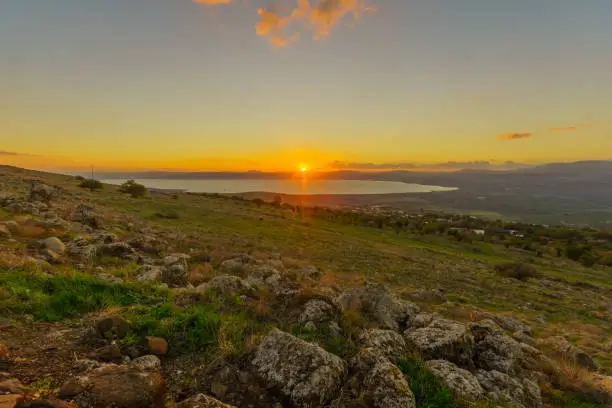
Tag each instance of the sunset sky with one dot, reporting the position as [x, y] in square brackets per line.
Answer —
[185, 84]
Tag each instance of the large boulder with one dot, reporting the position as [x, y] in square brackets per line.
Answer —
[500, 386]
[201, 401]
[116, 386]
[389, 343]
[176, 270]
[378, 382]
[494, 350]
[381, 306]
[82, 250]
[54, 244]
[461, 382]
[443, 339]
[300, 371]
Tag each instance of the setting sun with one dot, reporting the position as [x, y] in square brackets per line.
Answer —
[304, 169]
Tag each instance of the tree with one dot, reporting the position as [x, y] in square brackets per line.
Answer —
[91, 184]
[134, 189]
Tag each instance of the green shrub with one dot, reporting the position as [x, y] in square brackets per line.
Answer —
[427, 389]
[133, 188]
[574, 252]
[91, 184]
[516, 270]
[168, 214]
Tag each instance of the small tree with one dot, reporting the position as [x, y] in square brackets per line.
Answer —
[134, 189]
[91, 184]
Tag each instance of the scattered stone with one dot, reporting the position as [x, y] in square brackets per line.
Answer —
[461, 382]
[176, 270]
[147, 363]
[87, 215]
[387, 342]
[226, 284]
[82, 249]
[378, 382]
[54, 244]
[495, 350]
[201, 401]
[384, 308]
[318, 311]
[149, 273]
[561, 345]
[116, 386]
[42, 192]
[118, 250]
[303, 372]
[500, 386]
[110, 354]
[424, 319]
[443, 339]
[157, 346]
[113, 327]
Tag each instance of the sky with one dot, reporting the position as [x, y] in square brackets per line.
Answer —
[284, 84]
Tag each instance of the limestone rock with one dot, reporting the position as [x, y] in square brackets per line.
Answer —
[54, 244]
[461, 382]
[226, 284]
[387, 342]
[501, 386]
[318, 311]
[303, 372]
[149, 273]
[378, 382]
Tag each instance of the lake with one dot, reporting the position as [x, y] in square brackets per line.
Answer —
[295, 186]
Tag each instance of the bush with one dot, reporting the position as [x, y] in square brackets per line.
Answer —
[168, 214]
[134, 189]
[91, 184]
[79, 178]
[517, 270]
[427, 389]
[575, 252]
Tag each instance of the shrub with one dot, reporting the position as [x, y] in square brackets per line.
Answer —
[168, 214]
[517, 270]
[79, 178]
[133, 188]
[427, 389]
[574, 252]
[91, 184]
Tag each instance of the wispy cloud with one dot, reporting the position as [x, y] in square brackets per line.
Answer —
[566, 128]
[450, 165]
[5, 153]
[283, 24]
[514, 136]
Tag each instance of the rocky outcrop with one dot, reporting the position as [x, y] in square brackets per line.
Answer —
[378, 382]
[494, 350]
[318, 311]
[381, 306]
[386, 342]
[41, 192]
[88, 216]
[443, 339]
[176, 270]
[150, 273]
[461, 382]
[500, 386]
[300, 371]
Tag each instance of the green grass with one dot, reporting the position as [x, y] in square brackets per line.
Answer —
[54, 298]
[427, 389]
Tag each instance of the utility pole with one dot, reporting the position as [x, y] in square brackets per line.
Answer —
[92, 171]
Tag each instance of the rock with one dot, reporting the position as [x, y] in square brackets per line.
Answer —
[82, 249]
[560, 345]
[54, 244]
[494, 350]
[461, 382]
[42, 192]
[157, 346]
[511, 324]
[110, 354]
[176, 270]
[303, 372]
[202, 401]
[5, 233]
[108, 278]
[387, 342]
[112, 327]
[46, 403]
[378, 382]
[118, 250]
[502, 387]
[4, 350]
[310, 272]
[226, 284]
[49, 256]
[424, 319]
[11, 400]
[318, 311]
[82, 365]
[148, 244]
[147, 363]
[116, 386]
[238, 265]
[12, 386]
[384, 308]
[87, 215]
[198, 274]
[149, 273]
[443, 339]
[12, 226]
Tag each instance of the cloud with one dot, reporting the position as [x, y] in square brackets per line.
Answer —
[450, 165]
[561, 129]
[5, 153]
[514, 136]
[283, 25]
[212, 2]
